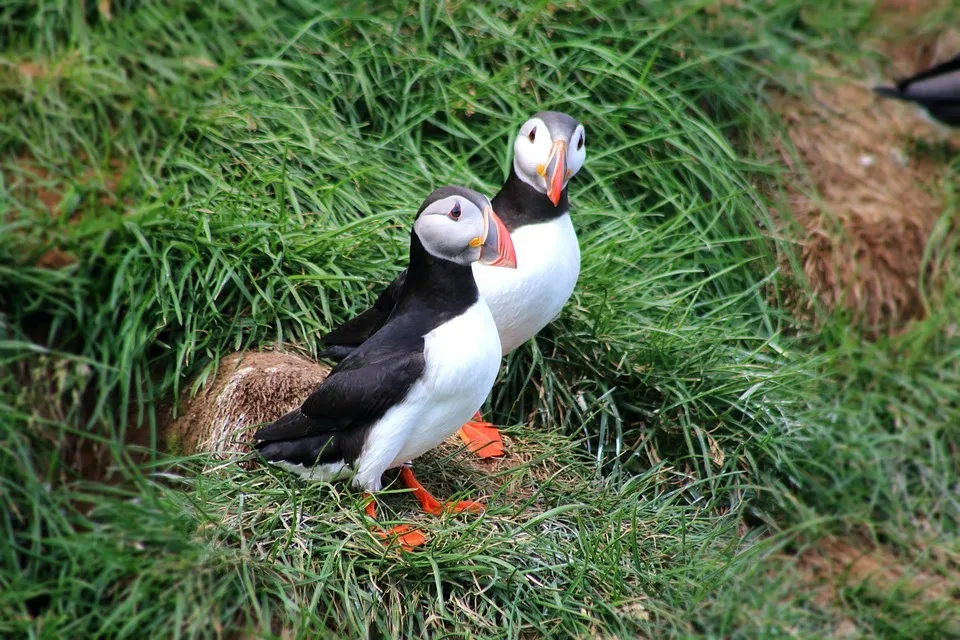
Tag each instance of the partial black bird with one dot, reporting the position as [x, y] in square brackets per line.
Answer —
[937, 90]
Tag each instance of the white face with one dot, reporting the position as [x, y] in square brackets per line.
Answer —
[452, 228]
[532, 153]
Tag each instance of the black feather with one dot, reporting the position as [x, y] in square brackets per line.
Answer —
[355, 331]
[336, 353]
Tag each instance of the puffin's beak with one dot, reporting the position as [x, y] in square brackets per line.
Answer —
[556, 170]
[497, 248]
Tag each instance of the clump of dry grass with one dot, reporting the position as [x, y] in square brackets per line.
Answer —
[248, 389]
[865, 233]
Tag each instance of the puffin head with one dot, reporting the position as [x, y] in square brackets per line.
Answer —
[549, 150]
[459, 225]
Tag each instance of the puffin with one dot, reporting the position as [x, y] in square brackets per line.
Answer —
[548, 151]
[936, 90]
[419, 376]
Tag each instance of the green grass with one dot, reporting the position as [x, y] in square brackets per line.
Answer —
[242, 174]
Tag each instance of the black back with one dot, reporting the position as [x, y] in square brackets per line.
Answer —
[333, 423]
[352, 333]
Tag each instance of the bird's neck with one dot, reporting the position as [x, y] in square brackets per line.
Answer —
[518, 204]
[433, 283]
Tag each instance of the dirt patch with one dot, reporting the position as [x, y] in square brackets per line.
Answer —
[57, 391]
[502, 473]
[865, 232]
[833, 564]
[249, 389]
[532, 459]
[55, 259]
[33, 182]
[900, 23]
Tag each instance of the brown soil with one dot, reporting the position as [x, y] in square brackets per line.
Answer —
[900, 19]
[834, 563]
[249, 389]
[55, 259]
[866, 230]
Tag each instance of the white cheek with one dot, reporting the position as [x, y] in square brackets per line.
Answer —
[524, 154]
[531, 154]
[575, 160]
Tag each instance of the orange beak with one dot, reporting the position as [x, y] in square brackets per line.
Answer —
[497, 248]
[556, 171]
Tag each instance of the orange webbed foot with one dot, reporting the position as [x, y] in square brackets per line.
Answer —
[406, 536]
[482, 438]
[430, 504]
[464, 505]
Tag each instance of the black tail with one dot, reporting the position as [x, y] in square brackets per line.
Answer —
[296, 438]
[890, 92]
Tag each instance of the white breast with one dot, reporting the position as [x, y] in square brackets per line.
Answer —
[524, 300]
[462, 357]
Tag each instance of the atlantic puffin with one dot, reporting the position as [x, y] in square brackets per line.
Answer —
[549, 150]
[418, 377]
[937, 90]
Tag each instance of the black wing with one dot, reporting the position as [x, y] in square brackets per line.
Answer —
[357, 392]
[358, 329]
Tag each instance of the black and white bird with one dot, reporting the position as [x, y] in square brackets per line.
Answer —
[549, 150]
[420, 375]
[936, 90]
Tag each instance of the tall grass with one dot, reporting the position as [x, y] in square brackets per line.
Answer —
[253, 142]
[240, 174]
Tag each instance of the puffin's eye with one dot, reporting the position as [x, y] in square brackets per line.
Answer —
[580, 143]
[532, 135]
[455, 212]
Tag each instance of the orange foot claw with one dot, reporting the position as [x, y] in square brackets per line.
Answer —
[482, 438]
[430, 504]
[406, 536]
[464, 505]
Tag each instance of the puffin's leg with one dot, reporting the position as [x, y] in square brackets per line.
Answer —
[406, 536]
[430, 504]
[482, 438]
